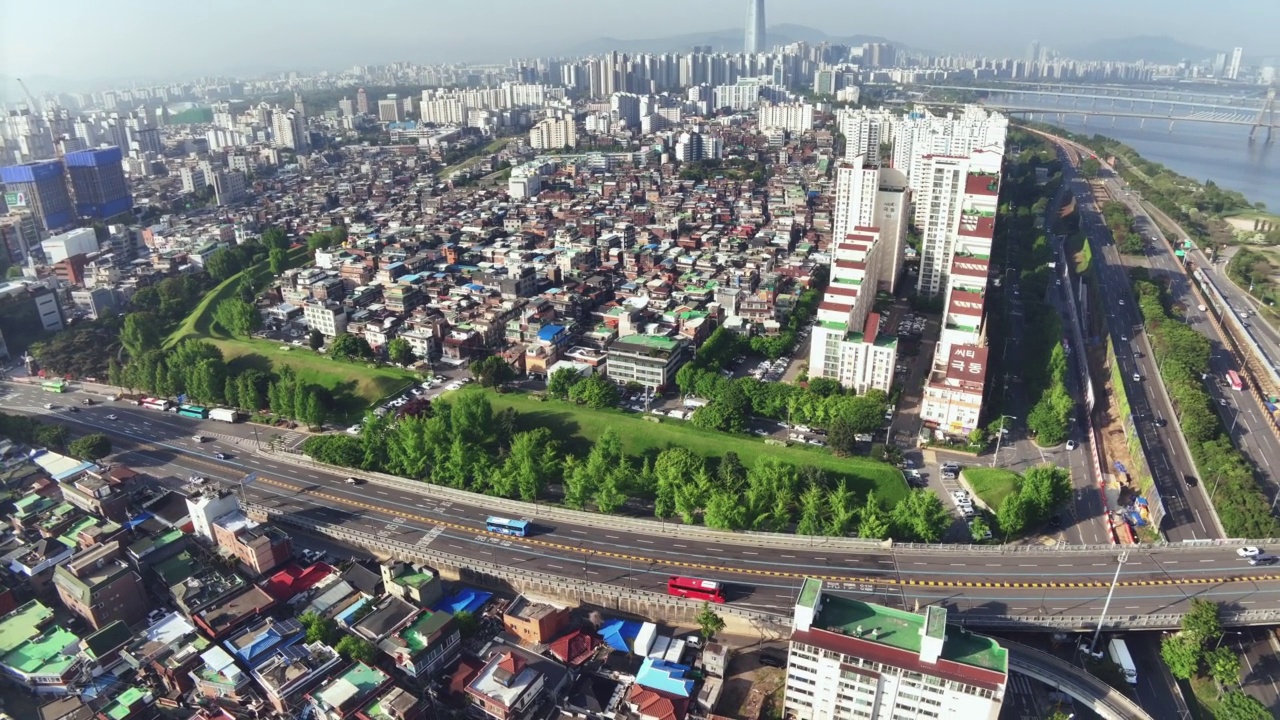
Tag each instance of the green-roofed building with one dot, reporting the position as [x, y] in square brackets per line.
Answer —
[35, 652]
[650, 360]
[854, 659]
[343, 695]
[127, 704]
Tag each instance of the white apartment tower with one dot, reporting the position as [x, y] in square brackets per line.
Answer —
[553, 134]
[850, 660]
[866, 250]
[865, 131]
[1233, 69]
[792, 117]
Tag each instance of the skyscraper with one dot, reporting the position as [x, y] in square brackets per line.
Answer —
[755, 27]
[1233, 70]
[97, 181]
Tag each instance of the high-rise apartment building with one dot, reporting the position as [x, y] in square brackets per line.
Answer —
[850, 660]
[755, 39]
[1233, 68]
[98, 182]
[868, 230]
[20, 236]
[40, 187]
[792, 117]
[389, 109]
[553, 134]
[362, 101]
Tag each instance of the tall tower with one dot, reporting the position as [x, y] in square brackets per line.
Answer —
[1233, 70]
[755, 27]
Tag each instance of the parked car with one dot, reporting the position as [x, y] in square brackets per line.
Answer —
[773, 661]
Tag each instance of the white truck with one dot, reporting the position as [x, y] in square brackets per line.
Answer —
[224, 414]
[1119, 653]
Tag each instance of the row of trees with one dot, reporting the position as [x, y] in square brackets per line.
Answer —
[1120, 222]
[1197, 649]
[196, 368]
[462, 443]
[29, 431]
[1182, 354]
[594, 391]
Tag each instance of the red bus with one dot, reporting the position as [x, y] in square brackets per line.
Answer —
[1233, 379]
[694, 588]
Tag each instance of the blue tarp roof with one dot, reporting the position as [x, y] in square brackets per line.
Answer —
[137, 520]
[475, 286]
[344, 617]
[665, 677]
[549, 332]
[464, 600]
[619, 634]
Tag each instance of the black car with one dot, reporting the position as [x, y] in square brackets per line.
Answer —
[1189, 480]
[221, 456]
[1161, 422]
[773, 661]
[73, 408]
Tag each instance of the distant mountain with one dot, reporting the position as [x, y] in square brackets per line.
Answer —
[729, 40]
[1163, 50]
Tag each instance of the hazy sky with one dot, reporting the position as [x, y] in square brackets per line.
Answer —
[97, 39]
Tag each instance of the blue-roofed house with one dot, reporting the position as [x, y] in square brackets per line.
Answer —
[264, 637]
[619, 634]
[554, 335]
[665, 677]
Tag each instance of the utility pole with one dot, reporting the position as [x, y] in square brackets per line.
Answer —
[1120, 561]
[1000, 439]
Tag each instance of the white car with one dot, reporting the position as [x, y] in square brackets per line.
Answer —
[1071, 445]
[1137, 377]
[48, 406]
[197, 438]
[112, 417]
[1249, 551]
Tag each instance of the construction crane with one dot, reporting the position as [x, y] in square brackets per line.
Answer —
[31, 99]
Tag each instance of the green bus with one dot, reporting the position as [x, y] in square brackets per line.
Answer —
[55, 386]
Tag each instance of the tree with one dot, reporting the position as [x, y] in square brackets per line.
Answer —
[315, 340]
[1182, 654]
[531, 463]
[978, 529]
[1012, 515]
[237, 317]
[840, 436]
[400, 351]
[91, 447]
[274, 239]
[51, 436]
[466, 622]
[921, 516]
[1239, 705]
[709, 622]
[1201, 622]
[277, 261]
[223, 264]
[595, 392]
[356, 649]
[492, 371]
[864, 414]
[813, 508]
[350, 347]
[875, 523]
[732, 474]
[319, 628]
[1090, 167]
[1224, 666]
[562, 381]
[140, 333]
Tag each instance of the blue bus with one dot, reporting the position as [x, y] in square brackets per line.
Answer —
[508, 527]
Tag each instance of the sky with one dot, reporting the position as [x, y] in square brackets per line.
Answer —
[93, 40]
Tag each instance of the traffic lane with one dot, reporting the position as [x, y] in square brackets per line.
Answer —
[1157, 690]
[1085, 603]
[1260, 665]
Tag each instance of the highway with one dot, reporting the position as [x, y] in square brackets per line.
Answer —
[990, 588]
[1249, 428]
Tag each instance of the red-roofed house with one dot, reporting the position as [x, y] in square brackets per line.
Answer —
[291, 580]
[654, 705]
[573, 649]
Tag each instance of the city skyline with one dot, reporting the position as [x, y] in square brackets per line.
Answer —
[35, 49]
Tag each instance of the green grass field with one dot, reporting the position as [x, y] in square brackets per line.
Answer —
[992, 485]
[354, 386]
[577, 427]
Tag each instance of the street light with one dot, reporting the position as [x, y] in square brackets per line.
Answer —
[1120, 561]
[1000, 438]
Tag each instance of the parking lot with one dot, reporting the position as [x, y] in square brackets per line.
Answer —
[443, 381]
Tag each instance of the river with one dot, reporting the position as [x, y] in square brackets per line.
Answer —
[1200, 151]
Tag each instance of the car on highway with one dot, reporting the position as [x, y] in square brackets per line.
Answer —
[1160, 422]
[1263, 560]
[113, 417]
[222, 456]
[1137, 377]
[197, 438]
[1071, 445]
[1190, 480]
[1122, 301]
[352, 481]
[73, 409]
[48, 406]
[1124, 338]
[87, 401]
[1249, 551]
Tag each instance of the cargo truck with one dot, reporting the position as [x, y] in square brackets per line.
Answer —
[225, 415]
[1119, 653]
